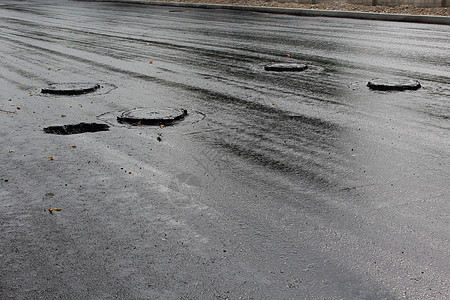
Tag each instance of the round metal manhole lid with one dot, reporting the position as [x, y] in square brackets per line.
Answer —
[393, 85]
[286, 67]
[148, 116]
[70, 88]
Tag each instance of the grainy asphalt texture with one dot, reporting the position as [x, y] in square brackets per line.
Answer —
[276, 185]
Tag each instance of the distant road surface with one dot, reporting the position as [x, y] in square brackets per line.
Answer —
[277, 185]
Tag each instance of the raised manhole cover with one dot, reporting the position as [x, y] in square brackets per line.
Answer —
[393, 85]
[286, 67]
[70, 88]
[147, 116]
[76, 128]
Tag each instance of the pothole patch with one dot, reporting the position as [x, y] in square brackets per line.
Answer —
[73, 89]
[76, 128]
[147, 116]
[393, 85]
[283, 67]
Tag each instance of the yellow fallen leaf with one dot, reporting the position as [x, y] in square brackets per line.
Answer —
[49, 68]
[148, 44]
[50, 210]
[51, 158]
[288, 55]
[57, 209]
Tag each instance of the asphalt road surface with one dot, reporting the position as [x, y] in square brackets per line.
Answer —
[276, 185]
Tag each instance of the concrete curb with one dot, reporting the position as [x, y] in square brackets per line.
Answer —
[301, 12]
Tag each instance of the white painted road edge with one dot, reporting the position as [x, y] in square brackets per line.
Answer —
[300, 12]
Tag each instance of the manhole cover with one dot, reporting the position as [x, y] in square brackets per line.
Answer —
[286, 67]
[76, 128]
[70, 88]
[393, 85]
[147, 116]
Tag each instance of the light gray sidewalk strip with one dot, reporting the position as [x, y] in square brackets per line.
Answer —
[301, 12]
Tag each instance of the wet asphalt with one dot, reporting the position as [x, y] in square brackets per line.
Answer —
[276, 185]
